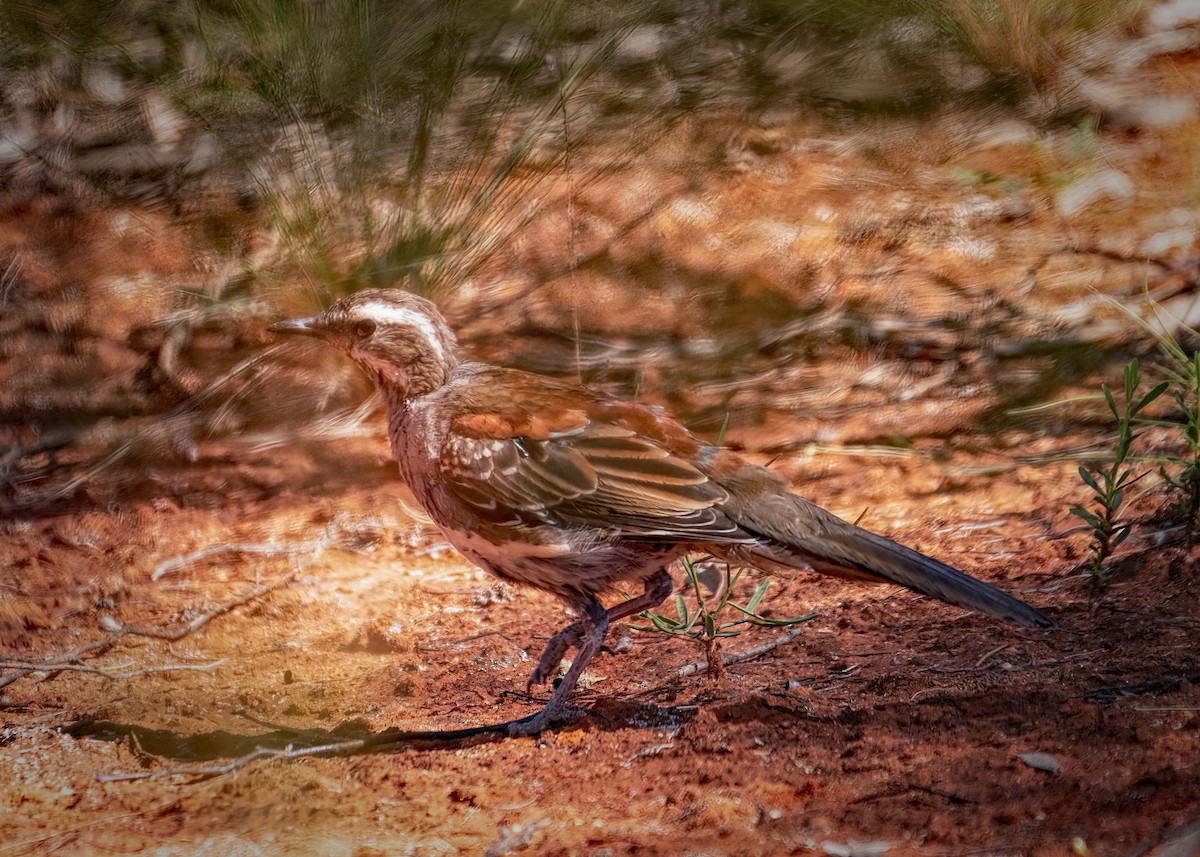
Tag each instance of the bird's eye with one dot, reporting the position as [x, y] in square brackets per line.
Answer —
[364, 327]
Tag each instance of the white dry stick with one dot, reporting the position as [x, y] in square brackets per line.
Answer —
[175, 563]
[746, 655]
[218, 769]
[73, 660]
[106, 672]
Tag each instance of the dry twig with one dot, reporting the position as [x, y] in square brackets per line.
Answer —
[204, 618]
[94, 649]
[74, 659]
[391, 740]
[177, 562]
[983, 666]
[67, 666]
[746, 655]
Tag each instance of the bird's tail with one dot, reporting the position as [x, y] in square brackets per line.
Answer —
[798, 533]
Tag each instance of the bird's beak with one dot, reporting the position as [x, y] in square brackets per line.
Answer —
[302, 326]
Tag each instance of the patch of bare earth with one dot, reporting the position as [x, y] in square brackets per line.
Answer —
[218, 585]
[889, 718]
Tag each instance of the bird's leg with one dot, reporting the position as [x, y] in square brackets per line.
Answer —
[593, 625]
[656, 591]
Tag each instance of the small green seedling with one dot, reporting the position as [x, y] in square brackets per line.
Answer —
[1110, 483]
[705, 624]
[1187, 479]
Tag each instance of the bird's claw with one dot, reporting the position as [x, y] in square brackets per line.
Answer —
[543, 720]
[541, 674]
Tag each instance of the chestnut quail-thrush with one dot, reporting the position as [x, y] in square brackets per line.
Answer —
[579, 493]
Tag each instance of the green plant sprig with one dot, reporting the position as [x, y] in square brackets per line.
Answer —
[1181, 370]
[1109, 483]
[705, 625]
[1187, 478]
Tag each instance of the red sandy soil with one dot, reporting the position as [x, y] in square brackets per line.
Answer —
[888, 722]
[888, 719]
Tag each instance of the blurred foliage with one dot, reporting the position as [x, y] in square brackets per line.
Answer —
[389, 139]
[384, 132]
[394, 65]
[918, 55]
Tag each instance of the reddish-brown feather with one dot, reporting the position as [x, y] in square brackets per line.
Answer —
[500, 404]
[506, 403]
[639, 461]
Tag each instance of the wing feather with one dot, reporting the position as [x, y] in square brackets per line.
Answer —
[621, 469]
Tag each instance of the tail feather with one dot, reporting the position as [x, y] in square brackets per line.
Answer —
[896, 563]
[796, 532]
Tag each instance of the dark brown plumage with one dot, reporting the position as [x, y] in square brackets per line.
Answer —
[578, 493]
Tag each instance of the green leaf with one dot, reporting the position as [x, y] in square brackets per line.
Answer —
[1090, 517]
[758, 595]
[663, 624]
[1088, 478]
[710, 626]
[767, 622]
[1151, 396]
[1173, 481]
[681, 609]
[758, 619]
[1112, 403]
[1132, 378]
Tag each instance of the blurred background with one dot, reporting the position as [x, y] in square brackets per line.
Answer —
[897, 228]
[891, 249]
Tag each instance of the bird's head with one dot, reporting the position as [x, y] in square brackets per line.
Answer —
[401, 340]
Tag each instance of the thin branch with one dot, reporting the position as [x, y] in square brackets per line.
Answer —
[93, 649]
[204, 618]
[217, 769]
[449, 644]
[980, 666]
[73, 659]
[175, 563]
[392, 740]
[65, 666]
[652, 750]
[988, 655]
[746, 655]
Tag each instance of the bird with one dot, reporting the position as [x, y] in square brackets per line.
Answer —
[582, 494]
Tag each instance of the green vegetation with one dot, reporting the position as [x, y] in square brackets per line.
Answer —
[385, 141]
[706, 624]
[1111, 482]
[391, 141]
[1186, 477]
[1182, 372]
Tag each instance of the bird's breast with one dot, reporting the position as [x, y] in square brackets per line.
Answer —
[564, 562]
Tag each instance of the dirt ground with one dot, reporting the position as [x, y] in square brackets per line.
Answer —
[166, 616]
[888, 721]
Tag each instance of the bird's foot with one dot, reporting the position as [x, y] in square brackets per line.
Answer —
[553, 654]
[549, 716]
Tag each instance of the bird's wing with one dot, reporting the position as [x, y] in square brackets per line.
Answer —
[521, 450]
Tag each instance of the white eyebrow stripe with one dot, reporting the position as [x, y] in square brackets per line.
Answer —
[387, 314]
